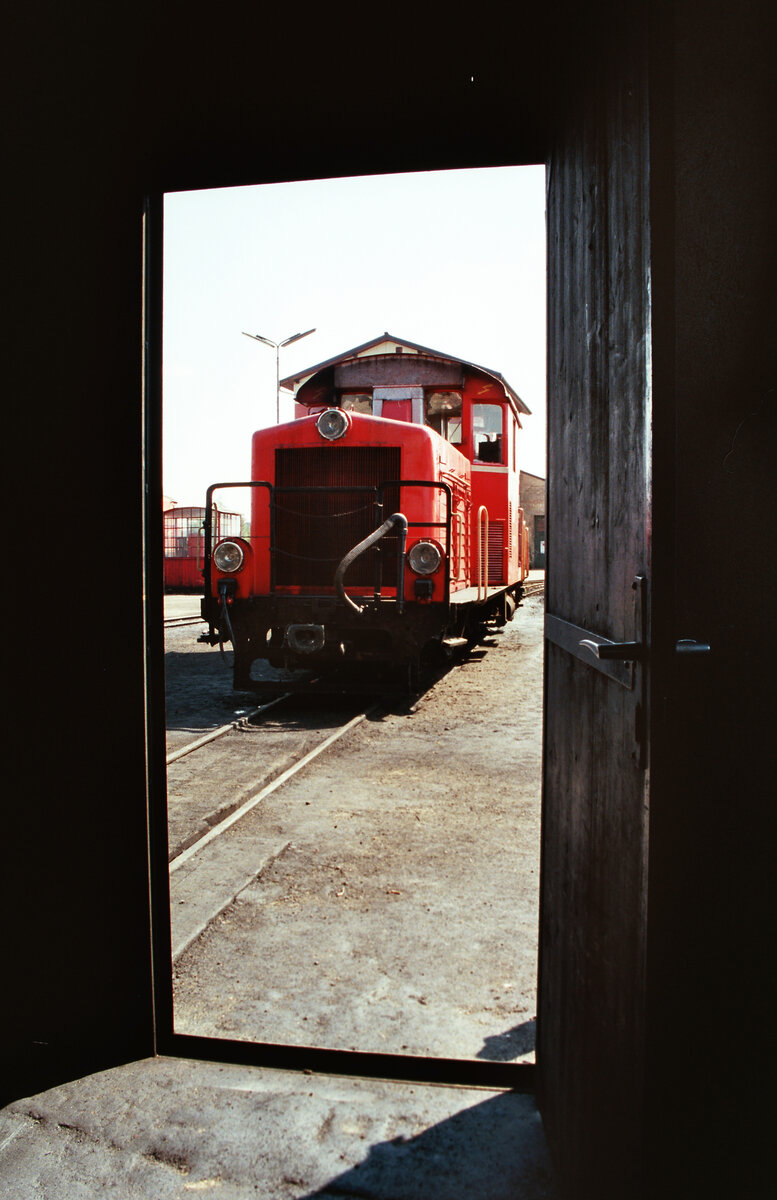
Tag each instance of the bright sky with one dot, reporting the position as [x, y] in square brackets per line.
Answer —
[453, 260]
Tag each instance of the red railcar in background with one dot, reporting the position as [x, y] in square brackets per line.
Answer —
[184, 544]
[385, 520]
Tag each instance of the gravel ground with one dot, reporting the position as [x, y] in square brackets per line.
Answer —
[389, 894]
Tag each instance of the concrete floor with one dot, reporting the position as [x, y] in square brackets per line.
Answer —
[168, 1128]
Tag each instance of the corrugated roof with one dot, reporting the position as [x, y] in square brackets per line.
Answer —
[293, 381]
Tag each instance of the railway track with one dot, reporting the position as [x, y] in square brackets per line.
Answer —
[212, 775]
[175, 622]
[216, 781]
[239, 723]
[227, 821]
[215, 852]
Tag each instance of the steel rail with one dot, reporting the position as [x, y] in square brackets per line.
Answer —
[240, 723]
[267, 790]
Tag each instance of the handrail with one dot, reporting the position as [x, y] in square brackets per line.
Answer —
[207, 569]
[447, 491]
[521, 543]
[482, 587]
[457, 541]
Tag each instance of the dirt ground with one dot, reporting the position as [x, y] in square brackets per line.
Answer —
[391, 895]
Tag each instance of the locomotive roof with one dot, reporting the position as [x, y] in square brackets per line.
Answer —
[294, 381]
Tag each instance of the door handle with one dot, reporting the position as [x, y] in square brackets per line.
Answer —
[624, 651]
[691, 646]
[632, 651]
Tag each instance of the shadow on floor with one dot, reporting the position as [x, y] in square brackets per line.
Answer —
[507, 1046]
[166, 1128]
[492, 1151]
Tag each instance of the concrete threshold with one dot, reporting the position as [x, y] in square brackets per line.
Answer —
[166, 1128]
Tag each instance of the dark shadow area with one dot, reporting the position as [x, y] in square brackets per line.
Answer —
[504, 1047]
[495, 1149]
[199, 692]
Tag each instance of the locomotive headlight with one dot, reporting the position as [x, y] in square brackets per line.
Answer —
[228, 556]
[332, 424]
[424, 558]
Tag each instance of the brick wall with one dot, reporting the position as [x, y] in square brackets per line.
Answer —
[532, 493]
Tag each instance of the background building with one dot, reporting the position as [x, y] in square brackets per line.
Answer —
[532, 492]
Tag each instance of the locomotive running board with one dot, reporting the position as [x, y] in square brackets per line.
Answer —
[470, 595]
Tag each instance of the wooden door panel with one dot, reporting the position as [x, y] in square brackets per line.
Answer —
[595, 787]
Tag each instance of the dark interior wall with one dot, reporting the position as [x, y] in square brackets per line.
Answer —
[76, 965]
[711, 971]
[107, 104]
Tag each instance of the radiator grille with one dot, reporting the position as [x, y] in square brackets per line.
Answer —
[496, 540]
[315, 529]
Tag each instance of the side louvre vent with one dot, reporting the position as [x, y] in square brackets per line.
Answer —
[496, 541]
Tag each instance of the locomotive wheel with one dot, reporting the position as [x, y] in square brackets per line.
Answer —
[476, 631]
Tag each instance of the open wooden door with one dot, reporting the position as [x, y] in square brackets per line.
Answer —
[596, 794]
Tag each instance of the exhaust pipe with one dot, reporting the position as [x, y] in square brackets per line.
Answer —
[398, 519]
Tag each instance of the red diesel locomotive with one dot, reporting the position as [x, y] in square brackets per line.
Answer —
[385, 519]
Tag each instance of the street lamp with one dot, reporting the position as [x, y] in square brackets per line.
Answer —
[295, 337]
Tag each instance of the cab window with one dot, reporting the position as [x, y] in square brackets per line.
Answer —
[442, 412]
[358, 402]
[487, 433]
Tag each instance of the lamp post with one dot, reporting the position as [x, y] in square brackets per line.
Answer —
[295, 337]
